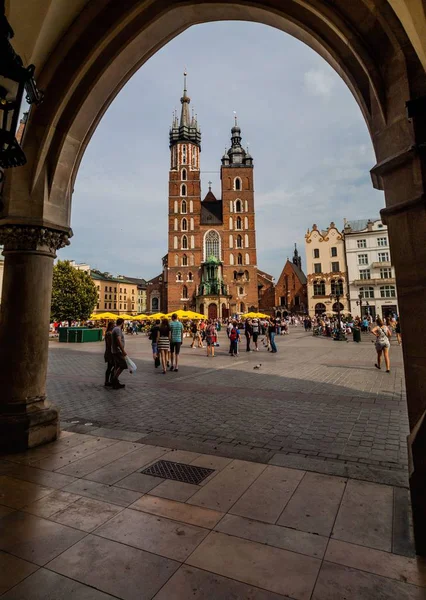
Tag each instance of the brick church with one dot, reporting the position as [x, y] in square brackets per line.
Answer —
[211, 264]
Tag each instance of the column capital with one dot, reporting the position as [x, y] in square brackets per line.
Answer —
[33, 239]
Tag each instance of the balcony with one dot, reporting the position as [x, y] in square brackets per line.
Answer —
[378, 281]
[381, 265]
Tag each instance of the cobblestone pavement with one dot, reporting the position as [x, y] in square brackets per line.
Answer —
[316, 404]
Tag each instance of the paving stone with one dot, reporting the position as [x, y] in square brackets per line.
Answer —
[13, 570]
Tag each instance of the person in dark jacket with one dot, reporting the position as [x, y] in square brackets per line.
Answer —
[109, 359]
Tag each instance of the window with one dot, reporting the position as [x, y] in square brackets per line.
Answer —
[245, 222]
[316, 253]
[366, 292]
[387, 291]
[335, 268]
[238, 223]
[184, 155]
[155, 305]
[334, 251]
[176, 260]
[192, 241]
[183, 174]
[191, 260]
[238, 206]
[231, 223]
[231, 206]
[247, 258]
[184, 292]
[385, 273]
[183, 190]
[183, 207]
[176, 206]
[192, 223]
[241, 291]
[337, 286]
[363, 259]
[211, 244]
[317, 268]
[235, 274]
[190, 276]
[175, 242]
[246, 241]
[184, 261]
[184, 225]
[184, 242]
[191, 206]
[364, 274]
[239, 241]
[240, 259]
[319, 288]
[361, 243]
[237, 184]
[247, 275]
[176, 225]
[231, 241]
[231, 259]
[382, 241]
[383, 256]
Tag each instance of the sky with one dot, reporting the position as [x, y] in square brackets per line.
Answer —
[311, 148]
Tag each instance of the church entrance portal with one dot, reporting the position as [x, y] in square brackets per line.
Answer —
[212, 311]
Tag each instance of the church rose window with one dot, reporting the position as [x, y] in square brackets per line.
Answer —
[212, 244]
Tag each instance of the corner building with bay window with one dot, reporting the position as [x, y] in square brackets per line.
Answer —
[211, 264]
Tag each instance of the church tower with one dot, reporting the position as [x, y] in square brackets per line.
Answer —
[239, 225]
[184, 251]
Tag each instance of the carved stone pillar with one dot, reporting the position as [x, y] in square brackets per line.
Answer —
[26, 418]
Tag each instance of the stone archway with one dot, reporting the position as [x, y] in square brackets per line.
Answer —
[83, 61]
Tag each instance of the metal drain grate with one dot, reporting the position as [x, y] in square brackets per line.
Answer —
[178, 472]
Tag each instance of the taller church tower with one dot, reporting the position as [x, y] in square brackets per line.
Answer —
[184, 252]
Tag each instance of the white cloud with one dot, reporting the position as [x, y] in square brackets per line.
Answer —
[319, 82]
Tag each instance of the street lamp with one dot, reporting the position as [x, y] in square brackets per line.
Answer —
[339, 336]
[14, 80]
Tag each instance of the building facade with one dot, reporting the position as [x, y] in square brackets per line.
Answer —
[115, 294]
[371, 276]
[291, 288]
[326, 270]
[141, 301]
[211, 262]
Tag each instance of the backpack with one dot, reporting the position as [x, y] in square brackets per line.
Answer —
[233, 335]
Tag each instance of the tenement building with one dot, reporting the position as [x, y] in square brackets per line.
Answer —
[326, 270]
[211, 262]
[371, 276]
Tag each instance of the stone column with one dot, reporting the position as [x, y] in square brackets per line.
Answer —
[26, 418]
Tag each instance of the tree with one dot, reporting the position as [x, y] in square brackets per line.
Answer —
[74, 294]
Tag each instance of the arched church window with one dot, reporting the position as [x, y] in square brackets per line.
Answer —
[191, 206]
[238, 223]
[237, 184]
[179, 276]
[183, 207]
[184, 292]
[176, 206]
[184, 155]
[240, 259]
[246, 205]
[211, 244]
[190, 276]
[184, 242]
[183, 174]
[155, 304]
[239, 241]
[192, 241]
[241, 291]
[192, 223]
[231, 259]
[184, 225]
[246, 241]
[184, 261]
[238, 206]
[231, 206]
[183, 190]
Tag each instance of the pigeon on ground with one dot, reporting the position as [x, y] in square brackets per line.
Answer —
[257, 366]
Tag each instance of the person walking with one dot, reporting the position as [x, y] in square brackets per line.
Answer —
[210, 338]
[234, 338]
[398, 331]
[153, 336]
[163, 343]
[108, 356]
[271, 336]
[176, 329]
[119, 353]
[255, 332]
[382, 334]
[195, 334]
[248, 333]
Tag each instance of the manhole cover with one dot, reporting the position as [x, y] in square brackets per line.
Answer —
[177, 471]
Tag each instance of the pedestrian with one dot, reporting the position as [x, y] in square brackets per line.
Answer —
[210, 338]
[398, 331]
[255, 329]
[119, 353]
[248, 333]
[163, 342]
[176, 329]
[195, 334]
[382, 333]
[271, 336]
[234, 338]
[229, 327]
[108, 356]
[153, 336]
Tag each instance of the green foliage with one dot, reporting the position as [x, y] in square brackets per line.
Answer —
[74, 294]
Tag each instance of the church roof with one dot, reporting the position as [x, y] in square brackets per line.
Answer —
[299, 273]
[210, 197]
[211, 211]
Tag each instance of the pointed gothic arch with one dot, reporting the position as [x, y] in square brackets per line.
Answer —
[184, 242]
[183, 189]
[238, 206]
[238, 185]
[184, 224]
[183, 175]
[212, 245]
[183, 207]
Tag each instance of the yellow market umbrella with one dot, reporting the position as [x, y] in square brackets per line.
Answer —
[254, 315]
[102, 316]
[185, 314]
[126, 317]
[140, 318]
[157, 316]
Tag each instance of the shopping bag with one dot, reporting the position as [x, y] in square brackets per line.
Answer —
[130, 364]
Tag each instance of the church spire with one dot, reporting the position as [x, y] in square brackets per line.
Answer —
[186, 129]
[236, 155]
[297, 260]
